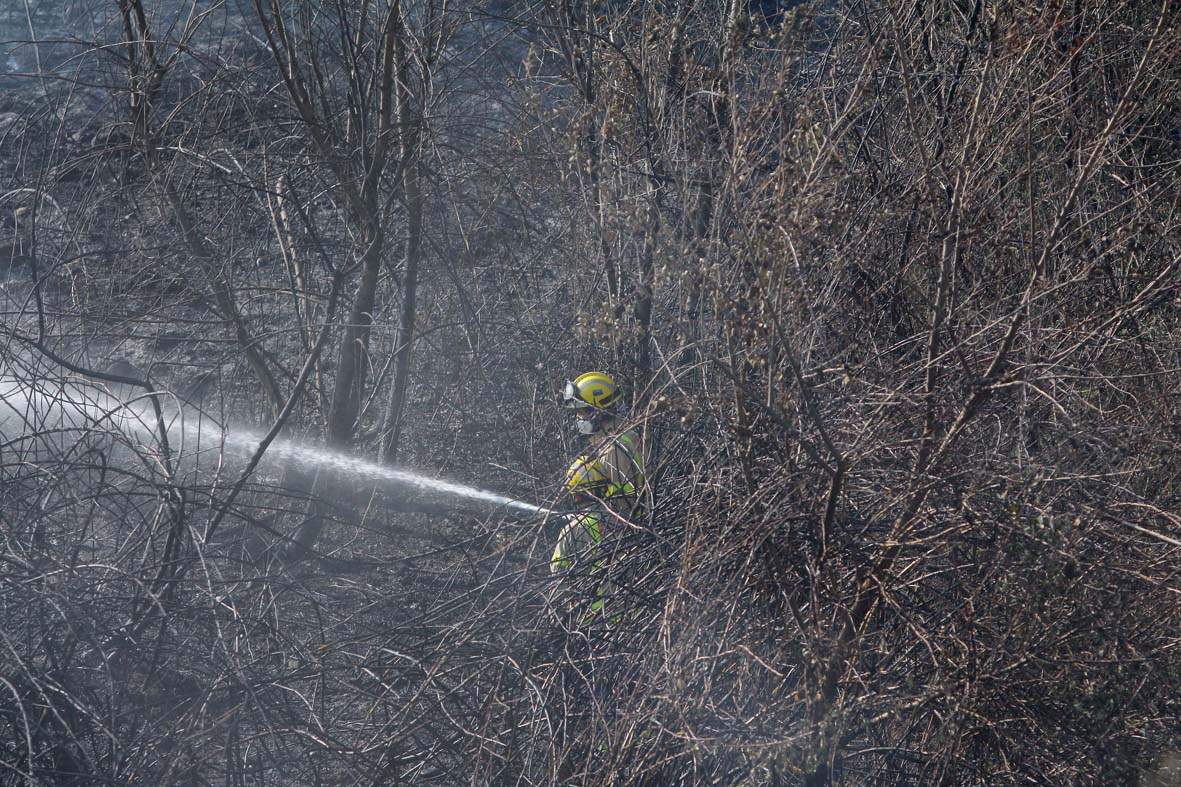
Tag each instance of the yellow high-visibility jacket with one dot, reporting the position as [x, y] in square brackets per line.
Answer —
[620, 460]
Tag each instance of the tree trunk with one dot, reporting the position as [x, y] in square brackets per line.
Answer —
[410, 124]
[354, 347]
[405, 339]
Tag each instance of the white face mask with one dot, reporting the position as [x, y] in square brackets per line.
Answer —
[584, 426]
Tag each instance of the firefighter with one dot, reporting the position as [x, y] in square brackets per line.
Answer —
[617, 452]
[606, 484]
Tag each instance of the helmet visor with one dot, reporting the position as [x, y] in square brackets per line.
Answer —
[571, 399]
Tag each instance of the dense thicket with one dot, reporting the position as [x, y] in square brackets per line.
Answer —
[892, 287]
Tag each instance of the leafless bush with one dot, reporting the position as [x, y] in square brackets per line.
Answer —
[893, 289]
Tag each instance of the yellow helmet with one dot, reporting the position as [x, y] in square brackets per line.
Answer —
[585, 479]
[593, 389]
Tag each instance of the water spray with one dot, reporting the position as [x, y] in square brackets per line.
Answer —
[41, 406]
[298, 452]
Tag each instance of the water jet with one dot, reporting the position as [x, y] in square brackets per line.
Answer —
[30, 407]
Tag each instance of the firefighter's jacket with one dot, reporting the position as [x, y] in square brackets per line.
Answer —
[620, 460]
